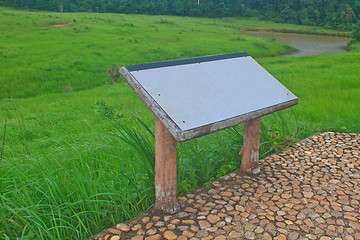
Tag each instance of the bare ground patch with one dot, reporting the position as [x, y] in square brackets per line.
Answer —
[59, 24]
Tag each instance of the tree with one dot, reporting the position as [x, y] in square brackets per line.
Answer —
[355, 33]
[61, 6]
[357, 7]
[332, 13]
[179, 8]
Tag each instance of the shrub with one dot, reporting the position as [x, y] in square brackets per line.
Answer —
[113, 74]
[355, 33]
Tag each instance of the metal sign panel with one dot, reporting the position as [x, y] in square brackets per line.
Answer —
[197, 96]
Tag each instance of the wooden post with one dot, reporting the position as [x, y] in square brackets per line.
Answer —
[250, 149]
[165, 169]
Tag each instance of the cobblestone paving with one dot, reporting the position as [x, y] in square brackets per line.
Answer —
[311, 191]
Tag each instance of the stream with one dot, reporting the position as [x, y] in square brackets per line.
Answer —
[307, 44]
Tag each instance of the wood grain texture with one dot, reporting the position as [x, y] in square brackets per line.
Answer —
[165, 169]
[250, 149]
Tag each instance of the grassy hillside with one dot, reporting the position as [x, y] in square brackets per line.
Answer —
[37, 58]
[327, 87]
[65, 171]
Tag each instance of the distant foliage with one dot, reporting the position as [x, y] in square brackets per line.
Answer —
[355, 33]
[331, 13]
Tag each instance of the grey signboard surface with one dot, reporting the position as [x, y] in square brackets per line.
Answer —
[197, 96]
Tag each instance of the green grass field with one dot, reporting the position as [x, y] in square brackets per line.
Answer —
[37, 58]
[65, 170]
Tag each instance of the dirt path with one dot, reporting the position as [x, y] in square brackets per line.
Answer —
[311, 191]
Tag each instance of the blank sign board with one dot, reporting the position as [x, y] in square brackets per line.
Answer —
[197, 96]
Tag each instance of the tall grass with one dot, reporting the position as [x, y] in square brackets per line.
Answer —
[74, 192]
[327, 87]
[278, 131]
[81, 189]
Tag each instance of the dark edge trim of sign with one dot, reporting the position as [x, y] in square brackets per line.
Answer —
[170, 63]
[231, 122]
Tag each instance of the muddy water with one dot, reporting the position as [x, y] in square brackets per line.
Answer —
[307, 44]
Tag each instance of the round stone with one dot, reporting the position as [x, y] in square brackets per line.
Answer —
[123, 227]
[308, 194]
[286, 195]
[115, 238]
[145, 220]
[220, 237]
[137, 237]
[188, 234]
[280, 237]
[259, 230]
[171, 227]
[159, 224]
[325, 238]
[155, 218]
[149, 225]
[235, 235]
[151, 231]
[154, 237]
[169, 235]
[136, 227]
[204, 224]
[213, 219]
[293, 236]
[114, 231]
[250, 235]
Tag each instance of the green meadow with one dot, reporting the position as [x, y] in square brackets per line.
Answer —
[75, 157]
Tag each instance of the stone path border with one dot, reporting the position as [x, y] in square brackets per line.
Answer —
[310, 191]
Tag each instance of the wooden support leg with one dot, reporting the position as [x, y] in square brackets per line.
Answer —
[250, 149]
[165, 169]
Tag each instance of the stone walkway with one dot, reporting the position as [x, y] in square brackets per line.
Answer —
[311, 191]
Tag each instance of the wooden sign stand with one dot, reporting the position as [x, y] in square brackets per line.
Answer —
[250, 148]
[198, 96]
[165, 162]
[165, 169]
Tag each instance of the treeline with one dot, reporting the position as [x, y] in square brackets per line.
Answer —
[331, 13]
